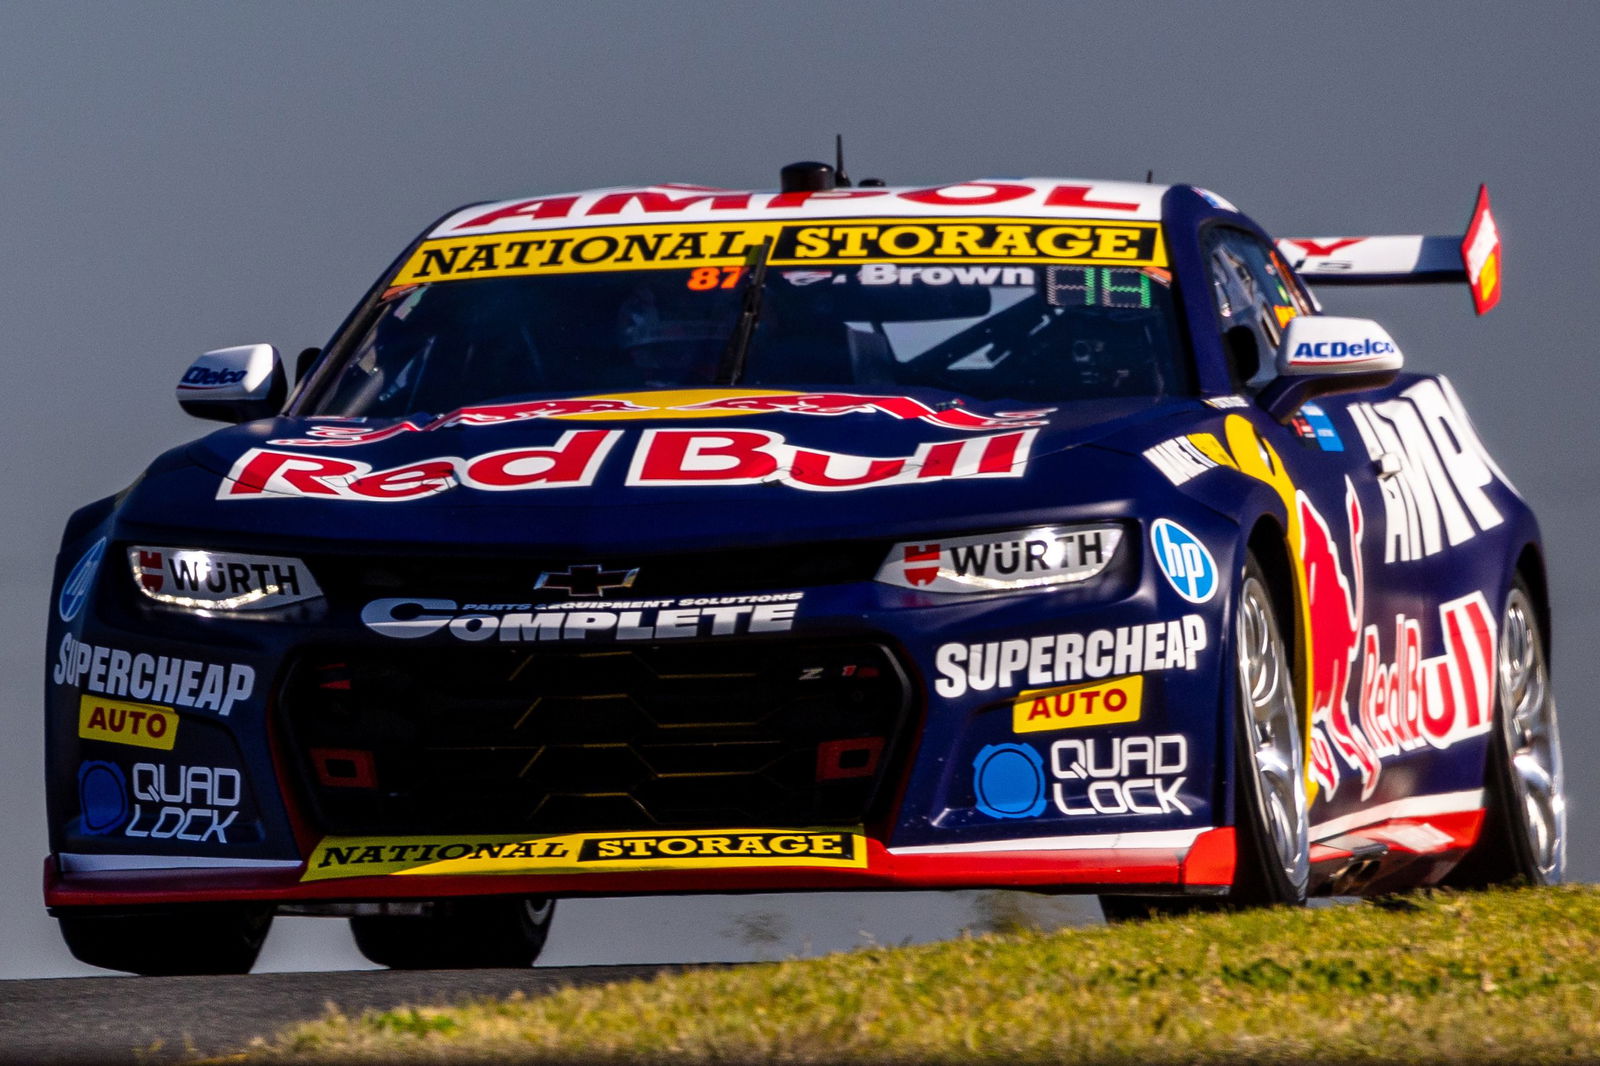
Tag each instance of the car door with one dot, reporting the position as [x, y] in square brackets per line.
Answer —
[1338, 534]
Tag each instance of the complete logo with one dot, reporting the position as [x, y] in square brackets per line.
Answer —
[75, 589]
[1187, 564]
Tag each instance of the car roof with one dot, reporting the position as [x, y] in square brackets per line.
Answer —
[1042, 197]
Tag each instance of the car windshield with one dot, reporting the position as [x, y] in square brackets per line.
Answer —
[989, 330]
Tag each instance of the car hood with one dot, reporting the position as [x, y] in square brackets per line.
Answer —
[688, 468]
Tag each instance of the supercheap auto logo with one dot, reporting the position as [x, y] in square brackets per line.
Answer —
[339, 857]
[1084, 242]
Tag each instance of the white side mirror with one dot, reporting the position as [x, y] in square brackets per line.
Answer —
[1323, 344]
[234, 384]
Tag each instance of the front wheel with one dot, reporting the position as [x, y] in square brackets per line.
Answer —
[459, 934]
[1270, 797]
[1274, 865]
[167, 941]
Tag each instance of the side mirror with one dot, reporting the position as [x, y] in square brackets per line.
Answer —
[234, 384]
[1321, 355]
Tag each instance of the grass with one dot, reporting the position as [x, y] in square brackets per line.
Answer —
[1509, 976]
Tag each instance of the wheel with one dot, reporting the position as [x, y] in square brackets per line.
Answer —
[1524, 834]
[197, 939]
[1270, 796]
[1274, 847]
[462, 934]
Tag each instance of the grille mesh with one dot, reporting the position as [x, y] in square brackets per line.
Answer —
[694, 735]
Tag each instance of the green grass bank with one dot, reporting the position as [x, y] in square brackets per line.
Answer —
[1508, 976]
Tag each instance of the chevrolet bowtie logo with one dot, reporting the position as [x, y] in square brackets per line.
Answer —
[584, 582]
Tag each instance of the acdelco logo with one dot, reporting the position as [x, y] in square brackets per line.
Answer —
[1342, 349]
[201, 377]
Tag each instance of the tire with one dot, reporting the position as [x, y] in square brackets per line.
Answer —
[1524, 836]
[161, 942]
[1274, 846]
[1269, 772]
[464, 934]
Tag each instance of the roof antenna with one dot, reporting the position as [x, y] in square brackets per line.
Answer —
[839, 177]
[1149, 176]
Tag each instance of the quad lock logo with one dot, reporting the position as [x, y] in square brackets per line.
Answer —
[1136, 775]
[192, 803]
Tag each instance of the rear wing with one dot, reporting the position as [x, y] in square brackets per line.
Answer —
[1473, 258]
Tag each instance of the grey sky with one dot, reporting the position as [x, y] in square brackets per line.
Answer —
[178, 177]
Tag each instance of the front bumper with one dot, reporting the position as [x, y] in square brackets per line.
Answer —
[1146, 808]
[1198, 861]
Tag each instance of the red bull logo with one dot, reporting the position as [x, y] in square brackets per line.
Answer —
[678, 403]
[1335, 624]
[1405, 703]
[843, 403]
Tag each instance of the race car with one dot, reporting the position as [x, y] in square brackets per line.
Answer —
[1030, 533]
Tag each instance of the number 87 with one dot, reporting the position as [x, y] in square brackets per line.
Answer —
[702, 278]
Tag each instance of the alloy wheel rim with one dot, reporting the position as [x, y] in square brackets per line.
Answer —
[1532, 739]
[1273, 726]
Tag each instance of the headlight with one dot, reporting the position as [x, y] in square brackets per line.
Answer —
[203, 580]
[1012, 559]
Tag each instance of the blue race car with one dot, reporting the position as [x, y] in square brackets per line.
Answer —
[1029, 534]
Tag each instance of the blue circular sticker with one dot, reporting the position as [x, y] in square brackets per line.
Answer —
[1187, 564]
[102, 796]
[75, 589]
[1009, 781]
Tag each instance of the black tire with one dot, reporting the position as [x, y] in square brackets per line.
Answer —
[1524, 834]
[459, 934]
[1269, 771]
[1269, 794]
[167, 941]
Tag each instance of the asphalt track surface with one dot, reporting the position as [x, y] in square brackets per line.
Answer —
[155, 1020]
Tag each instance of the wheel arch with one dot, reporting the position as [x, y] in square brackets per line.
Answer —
[1530, 567]
[1269, 543]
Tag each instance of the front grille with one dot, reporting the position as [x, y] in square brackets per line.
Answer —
[510, 740]
[492, 579]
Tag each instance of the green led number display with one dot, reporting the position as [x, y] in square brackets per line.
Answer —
[1098, 287]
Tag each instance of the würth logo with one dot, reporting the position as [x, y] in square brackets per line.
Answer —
[587, 581]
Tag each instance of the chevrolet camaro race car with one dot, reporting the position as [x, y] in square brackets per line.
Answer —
[1034, 534]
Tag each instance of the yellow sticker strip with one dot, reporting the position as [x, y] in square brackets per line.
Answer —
[337, 857]
[142, 725]
[579, 250]
[1072, 706]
